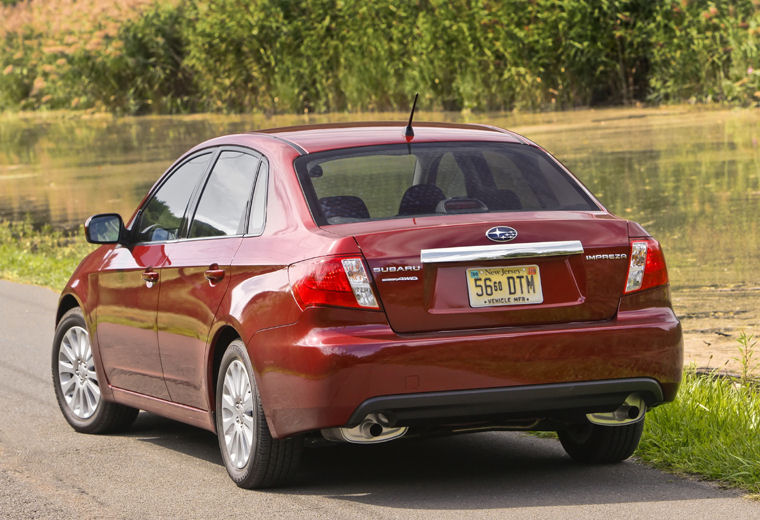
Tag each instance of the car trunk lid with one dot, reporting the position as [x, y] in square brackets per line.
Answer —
[561, 267]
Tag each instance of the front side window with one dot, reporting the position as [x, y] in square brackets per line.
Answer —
[224, 201]
[426, 179]
[161, 218]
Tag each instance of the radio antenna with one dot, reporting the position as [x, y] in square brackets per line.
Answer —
[409, 132]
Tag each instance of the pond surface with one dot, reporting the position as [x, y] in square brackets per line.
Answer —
[690, 177]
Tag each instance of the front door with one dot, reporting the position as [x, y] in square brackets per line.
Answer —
[126, 319]
[129, 285]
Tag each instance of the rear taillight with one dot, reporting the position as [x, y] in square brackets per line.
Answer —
[335, 280]
[647, 266]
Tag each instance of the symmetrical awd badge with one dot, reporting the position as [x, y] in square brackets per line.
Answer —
[501, 234]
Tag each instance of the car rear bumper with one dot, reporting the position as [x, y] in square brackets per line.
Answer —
[314, 376]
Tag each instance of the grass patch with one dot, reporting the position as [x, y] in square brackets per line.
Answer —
[43, 256]
[747, 347]
[711, 430]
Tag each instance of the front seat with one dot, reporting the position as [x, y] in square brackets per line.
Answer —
[420, 199]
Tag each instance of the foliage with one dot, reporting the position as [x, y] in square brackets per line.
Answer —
[747, 348]
[118, 56]
[706, 51]
[142, 69]
[710, 430]
[44, 257]
[140, 56]
[327, 55]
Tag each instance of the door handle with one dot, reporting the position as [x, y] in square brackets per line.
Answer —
[150, 277]
[214, 274]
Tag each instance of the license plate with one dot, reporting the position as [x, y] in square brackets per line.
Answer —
[514, 285]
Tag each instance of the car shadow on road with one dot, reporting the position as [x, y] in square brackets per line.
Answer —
[473, 471]
[176, 436]
[483, 471]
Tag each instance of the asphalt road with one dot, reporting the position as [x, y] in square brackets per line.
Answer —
[164, 469]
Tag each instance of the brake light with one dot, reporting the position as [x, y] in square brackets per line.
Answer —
[647, 266]
[335, 281]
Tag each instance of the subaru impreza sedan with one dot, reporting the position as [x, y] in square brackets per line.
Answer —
[359, 283]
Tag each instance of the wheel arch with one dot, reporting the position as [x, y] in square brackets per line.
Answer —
[218, 344]
[68, 302]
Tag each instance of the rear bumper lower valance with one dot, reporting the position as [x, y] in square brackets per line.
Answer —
[538, 400]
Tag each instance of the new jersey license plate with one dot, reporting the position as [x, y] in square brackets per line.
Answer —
[514, 285]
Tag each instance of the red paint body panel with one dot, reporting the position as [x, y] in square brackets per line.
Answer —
[186, 414]
[329, 137]
[187, 305]
[155, 347]
[82, 287]
[330, 364]
[574, 289]
[126, 320]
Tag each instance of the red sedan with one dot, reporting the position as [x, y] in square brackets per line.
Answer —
[358, 284]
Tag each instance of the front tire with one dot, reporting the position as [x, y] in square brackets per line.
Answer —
[595, 444]
[253, 458]
[76, 383]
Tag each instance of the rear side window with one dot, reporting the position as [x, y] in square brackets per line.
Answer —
[161, 218]
[383, 182]
[222, 208]
[259, 203]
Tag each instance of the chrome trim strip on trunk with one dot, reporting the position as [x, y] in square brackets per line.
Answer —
[500, 252]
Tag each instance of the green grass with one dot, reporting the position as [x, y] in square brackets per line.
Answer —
[43, 257]
[712, 430]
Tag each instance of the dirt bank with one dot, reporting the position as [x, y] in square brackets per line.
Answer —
[712, 320]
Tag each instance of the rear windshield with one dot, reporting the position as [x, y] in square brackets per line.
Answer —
[384, 182]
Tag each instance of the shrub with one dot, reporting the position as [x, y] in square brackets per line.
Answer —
[141, 56]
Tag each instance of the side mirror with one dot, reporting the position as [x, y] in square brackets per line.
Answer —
[106, 228]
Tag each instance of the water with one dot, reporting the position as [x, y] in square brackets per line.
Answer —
[691, 177]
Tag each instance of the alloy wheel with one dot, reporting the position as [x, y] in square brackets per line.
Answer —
[237, 413]
[76, 371]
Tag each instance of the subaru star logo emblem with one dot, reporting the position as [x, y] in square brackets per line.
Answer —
[501, 233]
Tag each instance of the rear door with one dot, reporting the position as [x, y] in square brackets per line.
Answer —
[196, 273]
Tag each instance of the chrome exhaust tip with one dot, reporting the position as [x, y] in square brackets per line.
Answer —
[373, 429]
[631, 411]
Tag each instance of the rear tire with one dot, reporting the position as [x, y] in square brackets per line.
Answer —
[76, 382]
[594, 444]
[252, 457]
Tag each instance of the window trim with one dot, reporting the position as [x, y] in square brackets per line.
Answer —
[192, 205]
[133, 230]
[265, 170]
[200, 188]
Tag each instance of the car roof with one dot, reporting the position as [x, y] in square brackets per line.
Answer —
[318, 138]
